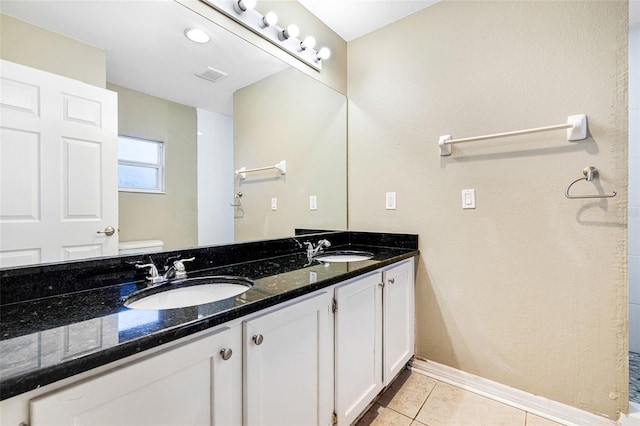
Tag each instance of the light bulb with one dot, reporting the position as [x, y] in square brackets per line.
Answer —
[197, 35]
[291, 31]
[241, 6]
[309, 42]
[323, 53]
[269, 19]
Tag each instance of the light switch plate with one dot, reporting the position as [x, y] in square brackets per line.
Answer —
[274, 204]
[468, 198]
[390, 201]
[313, 202]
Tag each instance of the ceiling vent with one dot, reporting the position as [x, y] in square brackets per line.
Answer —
[212, 74]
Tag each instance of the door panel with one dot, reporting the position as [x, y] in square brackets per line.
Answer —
[398, 314]
[287, 374]
[358, 337]
[58, 154]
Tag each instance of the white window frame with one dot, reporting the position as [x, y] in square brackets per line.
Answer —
[159, 166]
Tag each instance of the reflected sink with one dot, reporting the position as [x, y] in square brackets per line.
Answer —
[188, 292]
[344, 256]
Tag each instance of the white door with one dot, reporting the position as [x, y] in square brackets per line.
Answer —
[398, 318]
[58, 167]
[358, 340]
[288, 365]
[187, 385]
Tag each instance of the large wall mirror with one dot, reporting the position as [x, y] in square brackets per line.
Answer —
[246, 108]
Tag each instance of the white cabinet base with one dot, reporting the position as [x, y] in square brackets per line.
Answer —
[288, 365]
[188, 385]
[358, 337]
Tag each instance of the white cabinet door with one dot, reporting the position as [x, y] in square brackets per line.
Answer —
[358, 340]
[58, 167]
[187, 385]
[288, 365]
[398, 318]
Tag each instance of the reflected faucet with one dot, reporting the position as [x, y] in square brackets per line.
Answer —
[312, 251]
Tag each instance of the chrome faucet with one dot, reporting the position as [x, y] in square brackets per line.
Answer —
[312, 251]
[176, 271]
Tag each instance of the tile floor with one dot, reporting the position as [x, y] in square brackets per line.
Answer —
[414, 399]
[634, 377]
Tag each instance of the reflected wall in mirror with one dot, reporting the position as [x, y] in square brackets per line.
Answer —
[261, 112]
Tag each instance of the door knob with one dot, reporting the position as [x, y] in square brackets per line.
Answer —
[108, 231]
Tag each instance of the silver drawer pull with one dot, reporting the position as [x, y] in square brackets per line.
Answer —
[226, 353]
[391, 280]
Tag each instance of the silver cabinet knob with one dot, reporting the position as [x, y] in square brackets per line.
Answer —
[226, 353]
[381, 285]
[257, 339]
[108, 231]
[391, 280]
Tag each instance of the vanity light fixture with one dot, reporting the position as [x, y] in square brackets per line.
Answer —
[309, 42]
[285, 37]
[196, 35]
[268, 20]
[292, 31]
[242, 6]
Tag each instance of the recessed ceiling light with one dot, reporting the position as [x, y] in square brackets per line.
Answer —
[197, 35]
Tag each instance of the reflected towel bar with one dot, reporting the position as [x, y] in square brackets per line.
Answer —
[281, 166]
[576, 130]
[589, 173]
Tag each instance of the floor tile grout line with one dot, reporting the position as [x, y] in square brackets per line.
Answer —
[427, 398]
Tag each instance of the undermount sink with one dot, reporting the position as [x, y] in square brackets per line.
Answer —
[344, 256]
[188, 292]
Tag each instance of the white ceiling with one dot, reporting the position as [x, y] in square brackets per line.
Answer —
[146, 49]
[351, 19]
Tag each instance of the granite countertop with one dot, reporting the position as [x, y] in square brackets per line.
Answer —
[56, 336]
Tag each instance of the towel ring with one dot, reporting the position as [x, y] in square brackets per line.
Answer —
[589, 173]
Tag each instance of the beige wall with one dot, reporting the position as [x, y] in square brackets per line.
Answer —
[334, 72]
[35, 47]
[170, 217]
[529, 289]
[313, 145]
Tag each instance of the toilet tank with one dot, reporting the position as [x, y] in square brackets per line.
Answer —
[141, 246]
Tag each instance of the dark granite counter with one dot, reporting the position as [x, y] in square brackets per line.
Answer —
[60, 320]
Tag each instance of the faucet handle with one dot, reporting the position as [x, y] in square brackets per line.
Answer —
[153, 272]
[179, 264]
[324, 243]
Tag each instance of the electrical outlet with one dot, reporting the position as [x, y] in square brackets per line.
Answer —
[390, 201]
[313, 202]
[274, 204]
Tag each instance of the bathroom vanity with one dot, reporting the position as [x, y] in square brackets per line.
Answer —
[309, 343]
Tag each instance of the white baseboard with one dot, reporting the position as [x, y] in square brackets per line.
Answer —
[552, 410]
